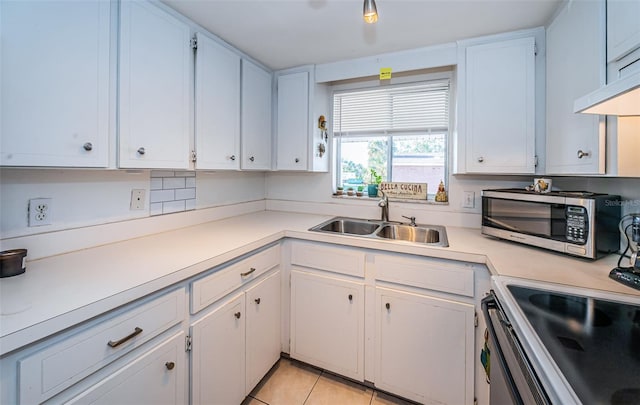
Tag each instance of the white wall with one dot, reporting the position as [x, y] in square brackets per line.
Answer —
[91, 197]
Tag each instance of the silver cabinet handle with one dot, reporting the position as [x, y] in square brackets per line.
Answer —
[133, 334]
[169, 365]
[251, 270]
[237, 315]
[141, 151]
[257, 300]
[232, 157]
[481, 159]
[582, 154]
[88, 146]
[252, 158]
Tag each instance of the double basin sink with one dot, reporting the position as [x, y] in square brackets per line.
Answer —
[431, 235]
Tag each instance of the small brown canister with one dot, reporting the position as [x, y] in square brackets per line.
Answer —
[12, 262]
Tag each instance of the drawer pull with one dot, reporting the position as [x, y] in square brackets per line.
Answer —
[117, 343]
[249, 272]
[169, 365]
[237, 315]
[350, 297]
[257, 300]
[388, 306]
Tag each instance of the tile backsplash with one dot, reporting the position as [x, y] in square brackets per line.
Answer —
[172, 191]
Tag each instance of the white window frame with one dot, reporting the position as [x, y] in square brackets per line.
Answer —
[445, 73]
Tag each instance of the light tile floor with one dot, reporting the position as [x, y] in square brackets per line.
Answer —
[294, 383]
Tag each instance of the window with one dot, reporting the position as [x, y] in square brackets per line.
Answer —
[399, 131]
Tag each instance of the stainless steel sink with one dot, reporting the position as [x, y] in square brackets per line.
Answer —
[431, 235]
[350, 226]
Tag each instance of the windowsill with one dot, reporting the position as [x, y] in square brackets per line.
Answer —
[402, 200]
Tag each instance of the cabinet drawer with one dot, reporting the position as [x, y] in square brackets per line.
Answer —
[434, 274]
[57, 367]
[211, 288]
[326, 257]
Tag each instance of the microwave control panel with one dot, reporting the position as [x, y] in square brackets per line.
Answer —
[577, 226]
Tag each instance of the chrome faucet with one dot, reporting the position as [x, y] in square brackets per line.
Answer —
[384, 204]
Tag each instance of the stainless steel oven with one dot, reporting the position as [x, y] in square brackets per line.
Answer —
[512, 379]
[558, 344]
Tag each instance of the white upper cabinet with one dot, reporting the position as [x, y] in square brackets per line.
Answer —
[575, 66]
[155, 102]
[497, 107]
[55, 83]
[217, 128]
[256, 117]
[293, 121]
[623, 28]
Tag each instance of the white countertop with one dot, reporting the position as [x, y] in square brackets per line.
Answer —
[60, 291]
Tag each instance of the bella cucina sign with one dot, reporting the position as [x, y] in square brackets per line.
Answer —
[410, 191]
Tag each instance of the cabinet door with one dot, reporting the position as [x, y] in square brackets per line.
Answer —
[500, 107]
[623, 28]
[327, 323]
[217, 106]
[293, 121]
[575, 67]
[54, 83]
[218, 355]
[424, 347]
[263, 328]
[156, 377]
[155, 88]
[256, 117]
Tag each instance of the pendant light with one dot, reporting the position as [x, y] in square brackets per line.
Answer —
[370, 13]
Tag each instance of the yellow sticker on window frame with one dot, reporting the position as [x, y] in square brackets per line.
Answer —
[385, 73]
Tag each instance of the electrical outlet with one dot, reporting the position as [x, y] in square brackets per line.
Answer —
[469, 199]
[137, 199]
[40, 211]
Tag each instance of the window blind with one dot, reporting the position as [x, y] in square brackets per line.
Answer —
[418, 107]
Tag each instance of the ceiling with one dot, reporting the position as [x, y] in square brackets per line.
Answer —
[287, 33]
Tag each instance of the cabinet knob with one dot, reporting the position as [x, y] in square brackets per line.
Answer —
[350, 297]
[252, 158]
[141, 151]
[582, 154]
[232, 157]
[387, 305]
[170, 365]
[297, 160]
[237, 315]
[481, 159]
[257, 300]
[88, 146]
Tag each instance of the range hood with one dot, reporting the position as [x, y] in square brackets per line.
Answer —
[621, 98]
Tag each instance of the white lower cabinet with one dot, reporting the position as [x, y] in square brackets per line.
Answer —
[424, 347]
[236, 343]
[156, 377]
[218, 356]
[327, 322]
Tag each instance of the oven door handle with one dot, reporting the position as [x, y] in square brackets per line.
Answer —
[490, 303]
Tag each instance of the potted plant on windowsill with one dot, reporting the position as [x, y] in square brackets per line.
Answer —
[372, 188]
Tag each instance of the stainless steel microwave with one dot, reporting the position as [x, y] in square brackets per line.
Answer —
[577, 223]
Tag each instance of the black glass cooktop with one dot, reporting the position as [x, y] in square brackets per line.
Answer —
[595, 342]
